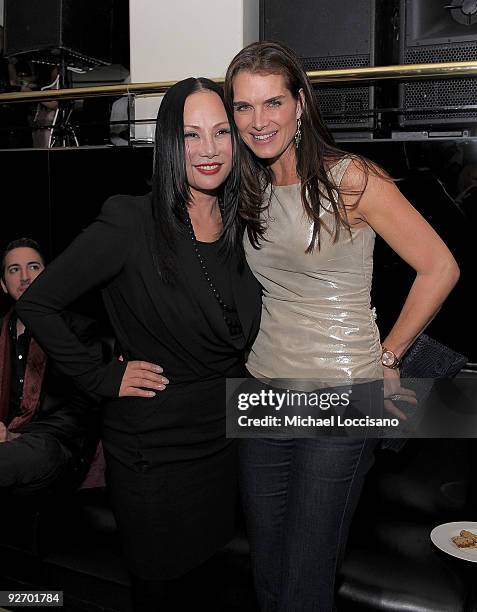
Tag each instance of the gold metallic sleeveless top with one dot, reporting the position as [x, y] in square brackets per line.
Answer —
[317, 321]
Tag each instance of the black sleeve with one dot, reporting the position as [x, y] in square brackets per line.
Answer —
[93, 259]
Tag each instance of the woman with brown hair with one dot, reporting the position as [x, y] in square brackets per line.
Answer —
[311, 213]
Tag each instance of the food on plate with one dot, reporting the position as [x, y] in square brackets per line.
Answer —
[466, 539]
[468, 534]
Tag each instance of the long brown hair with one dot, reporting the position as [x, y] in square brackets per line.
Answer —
[314, 157]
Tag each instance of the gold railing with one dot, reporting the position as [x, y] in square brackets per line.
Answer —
[375, 73]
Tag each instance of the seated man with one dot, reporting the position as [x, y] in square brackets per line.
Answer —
[48, 428]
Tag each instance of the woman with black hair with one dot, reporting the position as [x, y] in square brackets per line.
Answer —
[312, 212]
[178, 292]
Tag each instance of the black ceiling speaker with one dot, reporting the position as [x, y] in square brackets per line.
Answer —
[80, 31]
[438, 31]
[327, 34]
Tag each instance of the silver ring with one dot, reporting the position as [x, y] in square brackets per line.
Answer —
[396, 397]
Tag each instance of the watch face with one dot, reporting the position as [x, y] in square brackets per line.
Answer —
[388, 358]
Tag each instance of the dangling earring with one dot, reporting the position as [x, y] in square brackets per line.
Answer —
[298, 133]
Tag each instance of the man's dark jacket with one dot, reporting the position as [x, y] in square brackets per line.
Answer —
[65, 412]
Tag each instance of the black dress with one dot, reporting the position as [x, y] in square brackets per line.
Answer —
[171, 470]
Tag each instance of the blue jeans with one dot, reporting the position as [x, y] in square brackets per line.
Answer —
[299, 498]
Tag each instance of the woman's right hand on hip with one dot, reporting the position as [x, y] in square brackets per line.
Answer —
[140, 377]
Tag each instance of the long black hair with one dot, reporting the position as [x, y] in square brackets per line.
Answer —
[170, 190]
[316, 154]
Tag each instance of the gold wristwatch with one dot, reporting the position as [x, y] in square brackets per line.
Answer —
[389, 359]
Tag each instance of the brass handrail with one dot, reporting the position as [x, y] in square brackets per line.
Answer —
[371, 74]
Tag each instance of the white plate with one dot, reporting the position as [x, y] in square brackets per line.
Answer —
[442, 534]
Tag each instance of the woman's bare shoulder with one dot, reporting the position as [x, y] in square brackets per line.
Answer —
[361, 173]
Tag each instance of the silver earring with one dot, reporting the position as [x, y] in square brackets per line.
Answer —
[298, 133]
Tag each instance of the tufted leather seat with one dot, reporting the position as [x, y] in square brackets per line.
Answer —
[391, 563]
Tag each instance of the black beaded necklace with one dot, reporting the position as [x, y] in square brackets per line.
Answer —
[229, 312]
